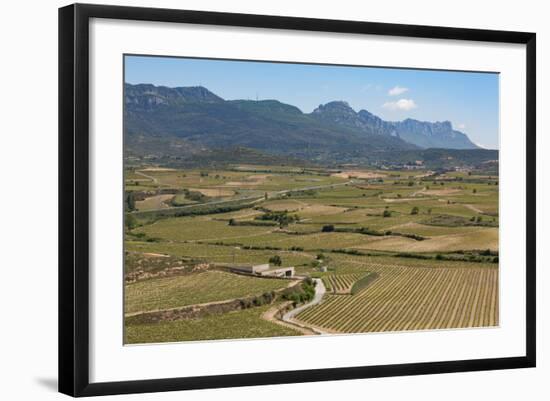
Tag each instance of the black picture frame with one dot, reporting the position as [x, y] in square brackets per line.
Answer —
[74, 200]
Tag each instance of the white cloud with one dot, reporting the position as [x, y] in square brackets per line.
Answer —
[461, 126]
[401, 104]
[397, 90]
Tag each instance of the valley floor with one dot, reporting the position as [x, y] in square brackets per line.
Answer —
[395, 250]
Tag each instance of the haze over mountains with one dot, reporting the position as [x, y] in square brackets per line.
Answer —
[189, 120]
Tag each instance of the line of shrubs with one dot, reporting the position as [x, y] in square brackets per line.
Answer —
[363, 282]
[282, 218]
[459, 256]
[254, 223]
[210, 210]
[367, 231]
[300, 294]
[265, 299]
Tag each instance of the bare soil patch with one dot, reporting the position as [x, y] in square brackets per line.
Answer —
[358, 174]
[251, 180]
[155, 255]
[441, 192]
[154, 202]
[157, 169]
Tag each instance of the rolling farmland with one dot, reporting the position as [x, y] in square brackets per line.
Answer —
[396, 251]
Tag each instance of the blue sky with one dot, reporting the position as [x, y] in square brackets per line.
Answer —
[469, 100]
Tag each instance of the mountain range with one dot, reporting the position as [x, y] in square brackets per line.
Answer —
[187, 121]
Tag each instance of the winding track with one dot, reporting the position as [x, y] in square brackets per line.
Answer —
[320, 291]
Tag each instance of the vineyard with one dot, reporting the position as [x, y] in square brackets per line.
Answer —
[246, 323]
[413, 299]
[196, 288]
[341, 283]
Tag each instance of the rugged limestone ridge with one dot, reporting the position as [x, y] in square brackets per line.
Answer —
[188, 119]
[420, 133]
[147, 95]
[199, 117]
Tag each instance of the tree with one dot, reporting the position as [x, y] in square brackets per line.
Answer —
[474, 191]
[386, 213]
[414, 210]
[275, 260]
[283, 218]
[130, 201]
[130, 222]
[327, 228]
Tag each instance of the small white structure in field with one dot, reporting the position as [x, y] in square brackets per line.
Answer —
[279, 272]
[250, 269]
[263, 270]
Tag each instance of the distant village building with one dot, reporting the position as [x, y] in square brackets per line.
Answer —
[412, 167]
[463, 169]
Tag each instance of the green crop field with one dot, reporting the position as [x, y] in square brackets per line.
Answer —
[198, 229]
[197, 288]
[238, 324]
[218, 253]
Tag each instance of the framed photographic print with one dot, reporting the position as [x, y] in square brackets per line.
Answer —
[249, 199]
